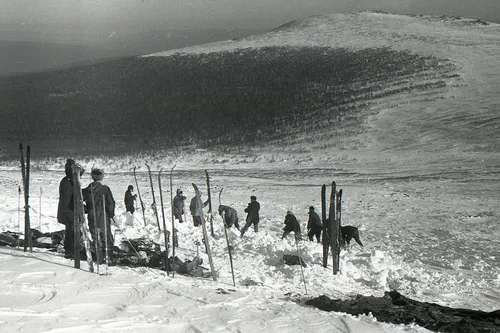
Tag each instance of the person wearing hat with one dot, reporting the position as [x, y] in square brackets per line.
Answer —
[64, 208]
[314, 225]
[252, 215]
[129, 199]
[291, 224]
[178, 205]
[96, 195]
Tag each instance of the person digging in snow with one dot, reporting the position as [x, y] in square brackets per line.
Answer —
[252, 215]
[314, 225]
[291, 224]
[230, 216]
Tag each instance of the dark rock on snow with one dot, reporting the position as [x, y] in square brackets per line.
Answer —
[398, 309]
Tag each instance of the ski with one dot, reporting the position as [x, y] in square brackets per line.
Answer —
[163, 218]
[173, 221]
[25, 177]
[205, 234]
[227, 240]
[339, 216]
[106, 244]
[154, 200]
[334, 229]
[140, 200]
[27, 221]
[81, 225]
[210, 216]
[325, 229]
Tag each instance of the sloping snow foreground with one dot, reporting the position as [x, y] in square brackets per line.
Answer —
[421, 258]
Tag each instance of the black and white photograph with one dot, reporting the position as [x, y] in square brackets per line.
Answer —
[249, 166]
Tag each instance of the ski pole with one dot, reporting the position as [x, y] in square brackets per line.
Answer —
[105, 232]
[97, 241]
[40, 212]
[300, 262]
[19, 209]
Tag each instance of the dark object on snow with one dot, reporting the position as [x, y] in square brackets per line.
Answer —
[348, 233]
[291, 260]
[398, 309]
[9, 238]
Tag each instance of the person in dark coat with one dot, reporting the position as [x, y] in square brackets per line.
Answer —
[252, 215]
[291, 224]
[178, 205]
[196, 208]
[314, 225]
[230, 216]
[64, 211]
[95, 196]
[129, 199]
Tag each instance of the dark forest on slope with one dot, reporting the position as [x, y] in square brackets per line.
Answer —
[247, 95]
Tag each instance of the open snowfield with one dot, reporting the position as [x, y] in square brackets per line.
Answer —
[424, 237]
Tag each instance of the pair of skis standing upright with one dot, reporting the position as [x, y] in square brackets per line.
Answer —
[204, 227]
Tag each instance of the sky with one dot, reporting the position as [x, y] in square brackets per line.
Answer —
[232, 14]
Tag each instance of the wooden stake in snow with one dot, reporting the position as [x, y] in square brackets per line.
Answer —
[165, 232]
[155, 211]
[173, 223]
[81, 226]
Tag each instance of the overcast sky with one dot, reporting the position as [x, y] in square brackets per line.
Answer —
[116, 15]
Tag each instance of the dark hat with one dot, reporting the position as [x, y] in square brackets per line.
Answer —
[130, 187]
[289, 212]
[253, 197]
[97, 174]
[311, 208]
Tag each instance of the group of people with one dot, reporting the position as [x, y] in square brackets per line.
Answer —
[100, 209]
[314, 226]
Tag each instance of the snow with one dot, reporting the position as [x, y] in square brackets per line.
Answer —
[421, 183]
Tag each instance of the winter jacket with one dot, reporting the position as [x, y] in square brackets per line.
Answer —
[314, 222]
[93, 194]
[64, 208]
[231, 216]
[129, 201]
[291, 224]
[253, 211]
[64, 212]
[196, 205]
[178, 204]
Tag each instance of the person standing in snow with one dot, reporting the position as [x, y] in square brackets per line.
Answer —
[314, 225]
[178, 205]
[93, 196]
[230, 216]
[64, 212]
[129, 199]
[196, 208]
[291, 224]
[252, 211]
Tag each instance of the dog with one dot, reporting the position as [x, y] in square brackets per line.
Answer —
[348, 233]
